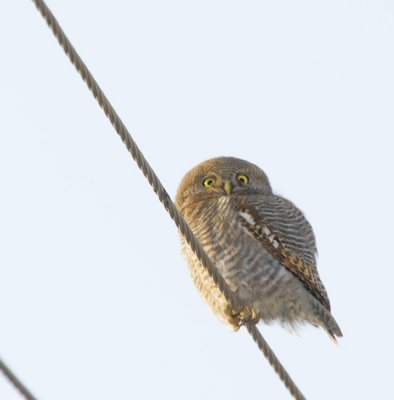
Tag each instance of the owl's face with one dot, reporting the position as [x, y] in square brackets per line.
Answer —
[222, 176]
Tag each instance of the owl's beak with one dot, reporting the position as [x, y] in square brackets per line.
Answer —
[228, 187]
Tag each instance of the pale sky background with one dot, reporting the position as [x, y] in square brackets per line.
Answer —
[96, 301]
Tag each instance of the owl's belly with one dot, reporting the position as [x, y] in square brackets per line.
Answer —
[253, 274]
[258, 280]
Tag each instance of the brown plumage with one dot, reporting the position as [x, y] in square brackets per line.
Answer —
[261, 243]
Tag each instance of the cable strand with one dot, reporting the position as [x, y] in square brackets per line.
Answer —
[164, 198]
[161, 192]
[22, 389]
[274, 361]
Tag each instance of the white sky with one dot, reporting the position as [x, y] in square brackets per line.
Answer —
[95, 299]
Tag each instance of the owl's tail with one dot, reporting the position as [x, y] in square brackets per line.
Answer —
[327, 321]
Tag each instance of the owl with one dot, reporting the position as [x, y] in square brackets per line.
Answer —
[261, 243]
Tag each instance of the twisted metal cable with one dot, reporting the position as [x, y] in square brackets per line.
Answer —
[16, 382]
[274, 361]
[161, 192]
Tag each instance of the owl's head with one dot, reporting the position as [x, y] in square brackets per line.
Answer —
[222, 176]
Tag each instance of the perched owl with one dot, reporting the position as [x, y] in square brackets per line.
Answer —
[260, 242]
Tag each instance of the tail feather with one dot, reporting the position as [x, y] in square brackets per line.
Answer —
[327, 321]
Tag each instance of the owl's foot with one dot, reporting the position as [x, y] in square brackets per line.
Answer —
[239, 318]
[248, 314]
[233, 318]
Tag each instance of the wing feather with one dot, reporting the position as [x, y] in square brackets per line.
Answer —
[284, 231]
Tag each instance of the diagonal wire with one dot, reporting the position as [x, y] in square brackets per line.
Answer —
[160, 190]
[15, 381]
[163, 197]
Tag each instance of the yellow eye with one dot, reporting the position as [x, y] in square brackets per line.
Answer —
[242, 179]
[208, 182]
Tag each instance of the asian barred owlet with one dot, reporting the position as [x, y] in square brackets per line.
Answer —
[260, 242]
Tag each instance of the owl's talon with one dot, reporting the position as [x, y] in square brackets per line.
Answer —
[246, 315]
[233, 318]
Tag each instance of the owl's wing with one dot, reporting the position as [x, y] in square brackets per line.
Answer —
[284, 231]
